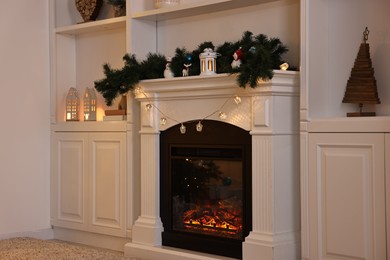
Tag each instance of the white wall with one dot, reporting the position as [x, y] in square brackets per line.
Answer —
[25, 124]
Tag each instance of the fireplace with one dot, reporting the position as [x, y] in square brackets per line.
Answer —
[205, 191]
[269, 116]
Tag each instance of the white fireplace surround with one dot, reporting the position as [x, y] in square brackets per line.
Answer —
[271, 113]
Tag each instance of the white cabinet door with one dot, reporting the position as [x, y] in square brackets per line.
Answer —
[69, 177]
[88, 180]
[347, 196]
[107, 183]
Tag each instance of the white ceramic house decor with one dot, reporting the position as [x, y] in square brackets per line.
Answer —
[208, 64]
[90, 105]
[72, 105]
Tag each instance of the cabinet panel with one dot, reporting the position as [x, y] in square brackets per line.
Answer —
[89, 182]
[347, 196]
[69, 179]
[107, 182]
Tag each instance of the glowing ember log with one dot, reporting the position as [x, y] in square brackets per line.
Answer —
[208, 219]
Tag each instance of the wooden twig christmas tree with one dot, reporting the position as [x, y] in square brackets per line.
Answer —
[361, 86]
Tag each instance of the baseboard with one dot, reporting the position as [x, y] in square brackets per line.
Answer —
[91, 239]
[39, 234]
[168, 253]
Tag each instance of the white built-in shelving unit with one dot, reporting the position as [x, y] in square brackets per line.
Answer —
[78, 52]
[323, 39]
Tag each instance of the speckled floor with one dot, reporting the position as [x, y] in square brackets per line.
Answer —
[34, 249]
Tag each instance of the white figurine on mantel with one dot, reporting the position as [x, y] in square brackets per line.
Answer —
[237, 56]
[186, 69]
[168, 71]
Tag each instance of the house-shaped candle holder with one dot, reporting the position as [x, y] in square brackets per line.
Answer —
[89, 105]
[72, 105]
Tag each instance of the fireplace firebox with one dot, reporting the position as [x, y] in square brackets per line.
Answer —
[206, 187]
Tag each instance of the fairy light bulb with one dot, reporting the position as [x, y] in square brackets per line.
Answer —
[284, 66]
[137, 90]
[163, 121]
[183, 129]
[222, 115]
[237, 99]
[199, 127]
[148, 107]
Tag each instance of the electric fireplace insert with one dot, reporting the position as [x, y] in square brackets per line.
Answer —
[206, 187]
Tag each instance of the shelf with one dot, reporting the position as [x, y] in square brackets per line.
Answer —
[93, 126]
[283, 82]
[95, 26]
[378, 124]
[192, 9]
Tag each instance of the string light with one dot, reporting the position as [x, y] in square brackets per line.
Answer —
[199, 125]
[183, 129]
[222, 115]
[284, 66]
[237, 100]
[137, 90]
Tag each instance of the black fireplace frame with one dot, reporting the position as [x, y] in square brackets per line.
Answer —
[213, 134]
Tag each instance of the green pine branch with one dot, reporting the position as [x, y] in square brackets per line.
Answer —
[261, 55]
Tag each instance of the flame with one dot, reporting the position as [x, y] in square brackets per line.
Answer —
[217, 219]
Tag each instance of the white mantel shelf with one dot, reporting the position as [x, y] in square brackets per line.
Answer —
[217, 85]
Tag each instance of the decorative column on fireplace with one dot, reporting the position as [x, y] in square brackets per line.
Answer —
[270, 113]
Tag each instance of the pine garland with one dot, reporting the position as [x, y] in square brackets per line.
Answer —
[119, 81]
[153, 67]
[261, 56]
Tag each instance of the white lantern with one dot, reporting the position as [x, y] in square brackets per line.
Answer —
[90, 105]
[208, 64]
[72, 105]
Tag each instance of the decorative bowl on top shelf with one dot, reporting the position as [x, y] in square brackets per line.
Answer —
[89, 9]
